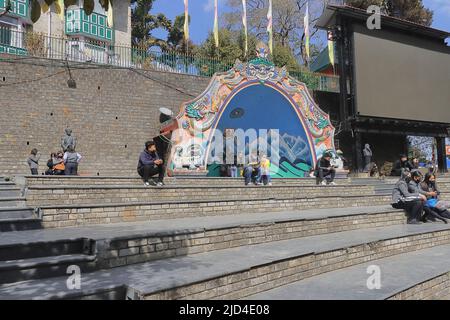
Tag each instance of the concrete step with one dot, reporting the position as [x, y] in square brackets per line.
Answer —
[9, 225]
[12, 271]
[18, 219]
[135, 180]
[16, 213]
[423, 274]
[189, 181]
[244, 271]
[6, 184]
[9, 192]
[42, 247]
[123, 244]
[12, 202]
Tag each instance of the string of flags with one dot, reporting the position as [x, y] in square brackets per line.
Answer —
[244, 23]
[306, 26]
[270, 27]
[186, 21]
[306, 22]
[216, 23]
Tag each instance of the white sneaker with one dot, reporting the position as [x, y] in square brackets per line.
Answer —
[147, 184]
[324, 183]
[159, 184]
[270, 183]
[333, 183]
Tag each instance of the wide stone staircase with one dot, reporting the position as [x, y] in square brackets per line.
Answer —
[210, 238]
[14, 213]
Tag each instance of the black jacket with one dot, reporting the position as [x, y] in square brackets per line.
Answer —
[323, 163]
[399, 165]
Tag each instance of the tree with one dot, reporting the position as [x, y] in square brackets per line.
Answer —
[287, 22]
[231, 47]
[411, 10]
[175, 38]
[143, 23]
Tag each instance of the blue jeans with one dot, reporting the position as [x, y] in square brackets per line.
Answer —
[266, 178]
[234, 171]
[252, 175]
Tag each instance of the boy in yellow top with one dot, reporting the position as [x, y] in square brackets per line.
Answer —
[265, 170]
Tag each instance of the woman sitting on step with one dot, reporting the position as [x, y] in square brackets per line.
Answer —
[415, 187]
[434, 206]
[402, 198]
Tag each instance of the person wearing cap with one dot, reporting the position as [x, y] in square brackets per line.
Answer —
[325, 171]
[400, 165]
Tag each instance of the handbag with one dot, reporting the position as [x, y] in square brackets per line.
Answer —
[431, 203]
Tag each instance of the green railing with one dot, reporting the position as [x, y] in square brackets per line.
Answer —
[19, 8]
[105, 53]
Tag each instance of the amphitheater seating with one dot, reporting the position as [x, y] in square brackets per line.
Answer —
[207, 238]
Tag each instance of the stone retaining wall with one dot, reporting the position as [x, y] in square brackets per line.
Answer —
[37, 197]
[81, 215]
[112, 112]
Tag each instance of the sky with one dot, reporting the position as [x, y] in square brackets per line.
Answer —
[202, 15]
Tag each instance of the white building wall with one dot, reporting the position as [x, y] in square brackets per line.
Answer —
[56, 28]
[122, 22]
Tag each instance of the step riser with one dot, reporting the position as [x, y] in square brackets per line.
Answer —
[434, 289]
[261, 278]
[45, 249]
[64, 217]
[119, 293]
[41, 272]
[169, 181]
[37, 198]
[12, 203]
[20, 226]
[16, 214]
[8, 193]
[136, 250]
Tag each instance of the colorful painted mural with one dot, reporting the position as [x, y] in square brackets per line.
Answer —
[254, 95]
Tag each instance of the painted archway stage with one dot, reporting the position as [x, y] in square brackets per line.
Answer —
[254, 95]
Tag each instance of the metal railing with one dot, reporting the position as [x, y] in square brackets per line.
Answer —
[103, 53]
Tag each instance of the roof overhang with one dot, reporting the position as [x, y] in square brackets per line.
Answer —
[331, 12]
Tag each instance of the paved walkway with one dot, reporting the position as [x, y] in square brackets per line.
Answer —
[168, 273]
[153, 227]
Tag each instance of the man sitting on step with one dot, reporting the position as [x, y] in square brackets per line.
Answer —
[402, 198]
[150, 164]
[324, 170]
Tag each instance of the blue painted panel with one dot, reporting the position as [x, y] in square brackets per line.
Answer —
[262, 107]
